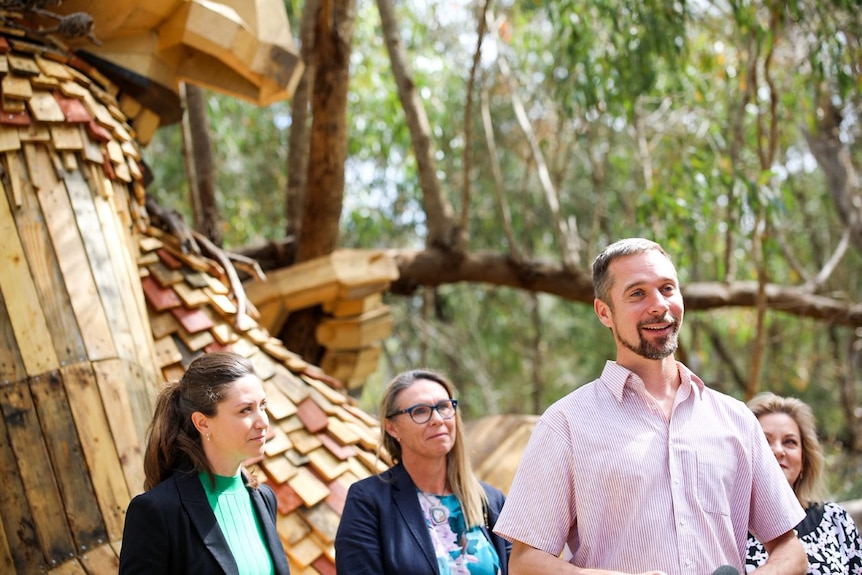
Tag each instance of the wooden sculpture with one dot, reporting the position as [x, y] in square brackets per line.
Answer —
[98, 307]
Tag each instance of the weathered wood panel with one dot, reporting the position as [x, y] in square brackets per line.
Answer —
[11, 364]
[15, 513]
[70, 468]
[50, 288]
[116, 397]
[91, 419]
[34, 466]
[100, 263]
[16, 284]
[84, 295]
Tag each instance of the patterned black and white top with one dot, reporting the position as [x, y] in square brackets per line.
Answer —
[830, 538]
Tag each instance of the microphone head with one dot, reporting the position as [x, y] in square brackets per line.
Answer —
[725, 570]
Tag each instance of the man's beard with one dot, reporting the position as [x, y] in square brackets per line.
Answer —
[654, 349]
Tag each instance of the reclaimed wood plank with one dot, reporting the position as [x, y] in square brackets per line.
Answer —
[108, 282]
[67, 137]
[309, 488]
[351, 307]
[70, 467]
[101, 560]
[278, 468]
[304, 552]
[73, 109]
[52, 68]
[163, 324]
[44, 107]
[32, 335]
[34, 133]
[16, 88]
[277, 404]
[17, 518]
[94, 431]
[192, 320]
[74, 266]
[356, 332]
[143, 390]
[23, 65]
[116, 398]
[9, 139]
[167, 351]
[34, 466]
[128, 293]
[326, 464]
[11, 364]
[323, 521]
[312, 416]
[7, 563]
[71, 567]
[44, 261]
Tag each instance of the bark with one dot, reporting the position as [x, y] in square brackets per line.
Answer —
[435, 267]
[565, 229]
[207, 219]
[335, 23]
[443, 233]
[298, 148]
[419, 268]
[842, 179]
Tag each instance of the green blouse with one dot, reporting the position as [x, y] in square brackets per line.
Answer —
[234, 511]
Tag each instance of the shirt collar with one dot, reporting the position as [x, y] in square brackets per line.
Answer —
[615, 377]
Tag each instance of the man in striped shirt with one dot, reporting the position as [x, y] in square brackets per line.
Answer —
[646, 470]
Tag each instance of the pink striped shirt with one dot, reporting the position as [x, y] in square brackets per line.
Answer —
[607, 474]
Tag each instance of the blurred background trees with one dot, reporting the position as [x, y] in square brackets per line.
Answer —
[728, 131]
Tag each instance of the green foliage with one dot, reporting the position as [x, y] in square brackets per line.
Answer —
[249, 148]
[654, 118]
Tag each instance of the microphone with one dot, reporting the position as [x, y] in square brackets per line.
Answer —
[725, 570]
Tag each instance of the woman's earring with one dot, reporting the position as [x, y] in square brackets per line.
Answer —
[209, 436]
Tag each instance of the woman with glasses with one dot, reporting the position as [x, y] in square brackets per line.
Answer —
[428, 514]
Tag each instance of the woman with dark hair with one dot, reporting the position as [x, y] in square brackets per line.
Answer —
[828, 533]
[201, 512]
[428, 514]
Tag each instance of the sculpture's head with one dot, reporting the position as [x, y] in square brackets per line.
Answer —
[147, 47]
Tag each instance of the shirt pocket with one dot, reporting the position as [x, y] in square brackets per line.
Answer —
[715, 482]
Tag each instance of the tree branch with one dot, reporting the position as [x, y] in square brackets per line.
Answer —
[435, 267]
[567, 237]
[442, 231]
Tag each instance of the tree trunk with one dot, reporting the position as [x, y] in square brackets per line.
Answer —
[207, 220]
[297, 154]
[334, 22]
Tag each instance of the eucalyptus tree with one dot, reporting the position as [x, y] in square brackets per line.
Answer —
[495, 147]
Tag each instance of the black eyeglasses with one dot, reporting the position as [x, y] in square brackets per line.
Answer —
[421, 412]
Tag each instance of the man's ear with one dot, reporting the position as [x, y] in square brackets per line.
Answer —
[603, 311]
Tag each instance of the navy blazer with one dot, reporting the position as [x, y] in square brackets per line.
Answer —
[383, 532]
[171, 529]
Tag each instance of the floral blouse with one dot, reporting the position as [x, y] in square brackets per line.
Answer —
[459, 551]
[830, 538]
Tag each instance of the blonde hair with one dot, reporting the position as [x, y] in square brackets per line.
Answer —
[809, 485]
[459, 472]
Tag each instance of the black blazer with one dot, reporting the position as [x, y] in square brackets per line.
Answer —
[382, 530]
[171, 529]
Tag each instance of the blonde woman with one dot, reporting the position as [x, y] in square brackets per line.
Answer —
[428, 514]
[828, 533]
